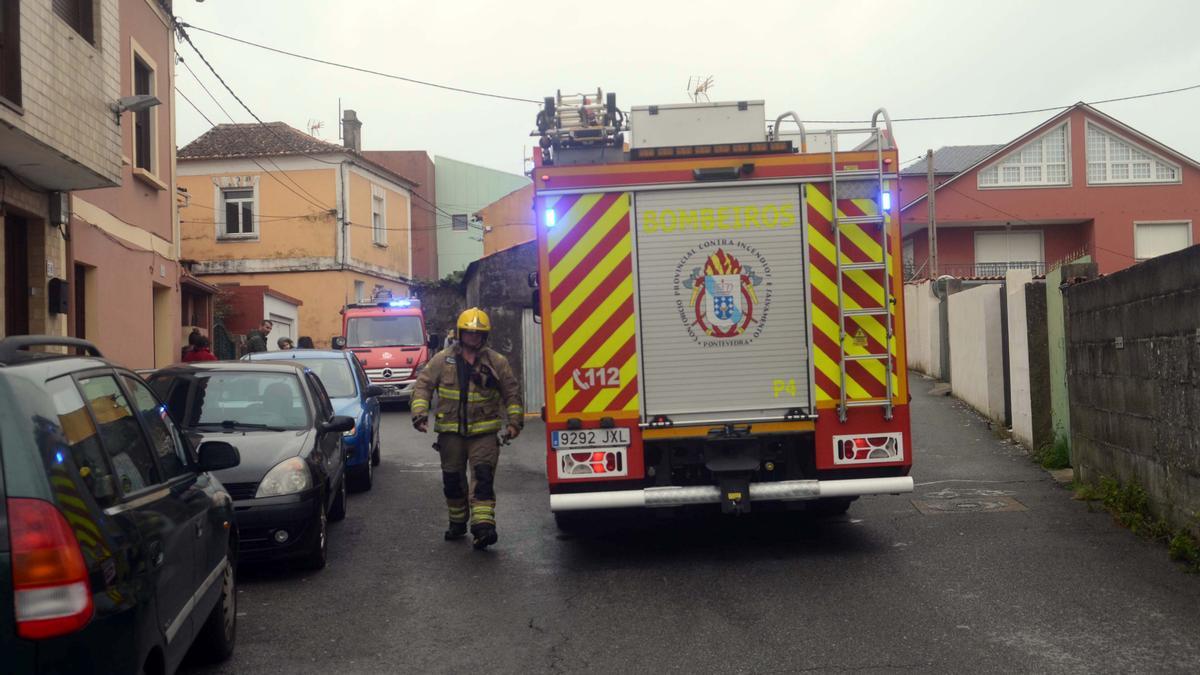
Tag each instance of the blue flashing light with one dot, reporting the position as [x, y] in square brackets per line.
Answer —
[58, 457]
[550, 217]
[400, 303]
[886, 201]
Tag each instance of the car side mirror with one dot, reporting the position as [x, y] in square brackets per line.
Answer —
[536, 301]
[374, 390]
[217, 455]
[533, 279]
[435, 342]
[338, 342]
[338, 423]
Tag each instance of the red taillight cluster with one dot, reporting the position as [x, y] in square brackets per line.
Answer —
[51, 592]
[592, 463]
[868, 449]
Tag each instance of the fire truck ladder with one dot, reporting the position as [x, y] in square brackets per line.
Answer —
[878, 137]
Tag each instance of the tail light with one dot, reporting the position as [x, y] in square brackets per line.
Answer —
[869, 449]
[50, 580]
[604, 462]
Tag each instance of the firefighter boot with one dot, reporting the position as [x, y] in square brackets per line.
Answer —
[454, 488]
[455, 531]
[484, 535]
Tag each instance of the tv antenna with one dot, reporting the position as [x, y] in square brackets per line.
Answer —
[698, 87]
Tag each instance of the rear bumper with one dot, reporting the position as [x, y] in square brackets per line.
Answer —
[791, 490]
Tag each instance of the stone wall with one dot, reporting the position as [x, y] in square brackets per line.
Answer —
[499, 284]
[1133, 371]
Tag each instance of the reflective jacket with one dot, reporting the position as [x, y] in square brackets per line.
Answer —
[492, 398]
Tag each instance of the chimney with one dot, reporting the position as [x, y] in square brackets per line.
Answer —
[351, 131]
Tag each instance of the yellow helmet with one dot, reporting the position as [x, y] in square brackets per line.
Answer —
[474, 319]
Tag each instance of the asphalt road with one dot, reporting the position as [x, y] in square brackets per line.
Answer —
[999, 570]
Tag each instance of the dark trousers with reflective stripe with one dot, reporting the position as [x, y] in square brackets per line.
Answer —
[480, 454]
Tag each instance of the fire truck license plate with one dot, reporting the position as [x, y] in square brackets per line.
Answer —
[589, 438]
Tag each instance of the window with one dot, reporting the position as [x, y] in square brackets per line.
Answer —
[1151, 240]
[320, 397]
[164, 438]
[82, 440]
[120, 433]
[238, 210]
[359, 287]
[1111, 159]
[10, 51]
[78, 15]
[458, 222]
[335, 374]
[143, 120]
[1042, 161]
[378, 220]
[385, 331]
[225, 400]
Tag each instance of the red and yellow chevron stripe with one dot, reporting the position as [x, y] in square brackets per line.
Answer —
[861, 289]
[588, 264]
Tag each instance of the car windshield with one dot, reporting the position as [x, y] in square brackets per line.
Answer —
[233, 399]
[335, 374]
[384, 331]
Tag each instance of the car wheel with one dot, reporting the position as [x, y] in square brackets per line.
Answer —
[219, 632]
[375, 457]
[317, 557]
[338, 510]
[363, 477]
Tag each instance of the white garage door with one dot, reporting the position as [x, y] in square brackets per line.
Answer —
[998, 252]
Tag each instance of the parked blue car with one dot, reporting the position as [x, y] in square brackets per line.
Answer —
[352, 395]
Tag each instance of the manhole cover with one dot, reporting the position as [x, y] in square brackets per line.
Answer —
[967, 501]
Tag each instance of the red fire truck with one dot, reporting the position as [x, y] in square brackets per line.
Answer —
[722, 308]
[388, 335]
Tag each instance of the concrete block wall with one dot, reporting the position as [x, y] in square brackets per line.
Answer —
[976, 349]
[1133, 375]
[68, 84]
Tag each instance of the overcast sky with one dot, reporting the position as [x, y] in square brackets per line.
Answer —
[826, 60]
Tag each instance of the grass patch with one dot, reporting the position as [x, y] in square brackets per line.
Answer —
[1054, 456]
[1129, 505]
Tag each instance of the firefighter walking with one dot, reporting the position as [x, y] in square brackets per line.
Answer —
[478, 396]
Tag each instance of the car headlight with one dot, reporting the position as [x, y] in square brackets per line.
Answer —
[285, 478]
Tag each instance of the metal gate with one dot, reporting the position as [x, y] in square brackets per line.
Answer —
[531, 362]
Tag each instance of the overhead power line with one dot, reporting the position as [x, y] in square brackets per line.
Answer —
[392, 76]
[311, 198]
[921, 118]
[318, 205]
[1010, 113]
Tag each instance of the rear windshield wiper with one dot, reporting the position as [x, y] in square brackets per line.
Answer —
[234, 424]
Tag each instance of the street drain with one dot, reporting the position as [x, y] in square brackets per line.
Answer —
[967, 501]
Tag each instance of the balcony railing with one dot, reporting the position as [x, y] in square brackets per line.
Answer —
[980, 269]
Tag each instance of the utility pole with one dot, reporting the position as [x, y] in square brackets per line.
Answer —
[932, 215]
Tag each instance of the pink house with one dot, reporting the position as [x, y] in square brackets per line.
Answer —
[1081, 182]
